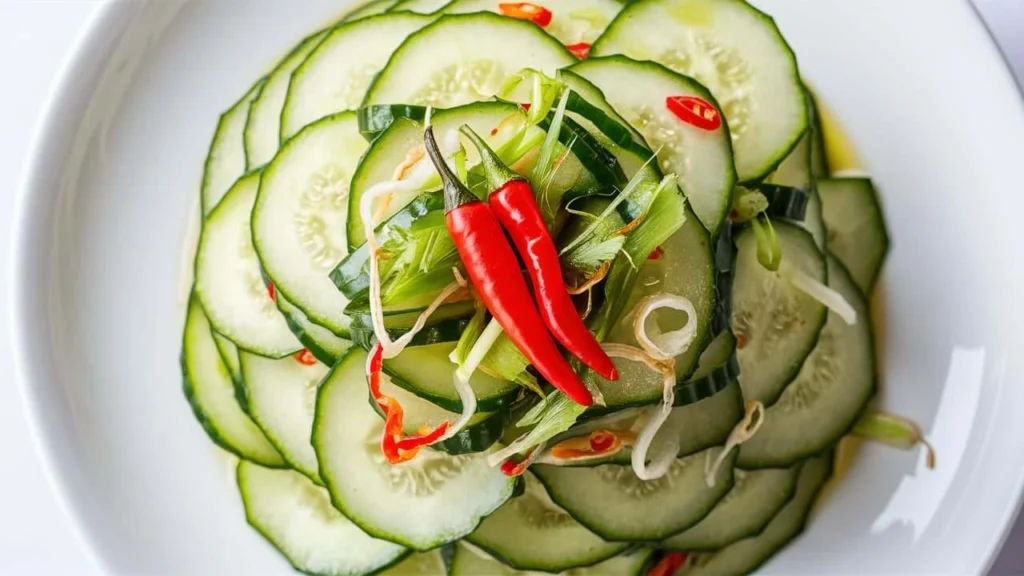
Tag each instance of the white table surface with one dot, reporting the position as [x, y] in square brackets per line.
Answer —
[35, 37]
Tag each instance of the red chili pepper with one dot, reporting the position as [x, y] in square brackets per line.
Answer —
[396, 446]
[695, 111]
[580, 50]
[494, 271]
[513, 203]
[306, 357]
[537, 14]
[272, 291]
[512, 468]
[657, 253]
[668, 565]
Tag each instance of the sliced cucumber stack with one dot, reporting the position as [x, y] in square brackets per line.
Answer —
[470, 561]
[703, 160]
[262, 135]
[211, 393]
[282, 397]
[424, 503]
[572, 21]
[274, 353]
[532, 533]
[334, 77]
[833, 387]
[463, 58]
[856, 227]
[738, 53]
[745, 556]
[776, 325]
[321, 342]
[226, 161]
[616, 505]
[228, 279]
[756, 497]
[296, 517]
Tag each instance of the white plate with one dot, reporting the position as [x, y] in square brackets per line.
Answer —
[112, 193]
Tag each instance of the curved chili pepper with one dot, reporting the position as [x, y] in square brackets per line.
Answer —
[494, 271]
[539, 15]
[513, 203]
[396, 446]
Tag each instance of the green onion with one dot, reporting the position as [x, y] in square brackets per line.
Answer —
[894, 431]
[769, 251]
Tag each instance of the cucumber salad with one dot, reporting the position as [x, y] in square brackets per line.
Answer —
[508, 288]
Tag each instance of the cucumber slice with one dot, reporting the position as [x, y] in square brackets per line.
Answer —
[702, 160]
[615, 504]
[428, 372]
[736, 51]
[369, 9]
[482, 431]
[419, 564]
[229, 355]
[819, 159]
[532, 533]
[335, 76]
[856, 227]
[296, 517]
[424, 503]
[282, 398]
[298, 218]
[226, 160]
[747, 555]
[464, 58]
[795, 169]
[376, 118]
[833, 387]
[572, 21]
[321, 342]
[690, 428]
[228, 279]
[468, 561]
[419, 6]
[756, 497]
[211, 393]
[685, 268]
[392, 147]
[776, 325]
[263, 128]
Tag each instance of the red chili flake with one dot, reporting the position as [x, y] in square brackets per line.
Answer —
[272, 291]
[741, 341]
[535, 13]
[526, 106]
[602, 441]
[668, 565]
[512, 468]
[580, 50]
[656, 254]
[305, 357]
[695, 111]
